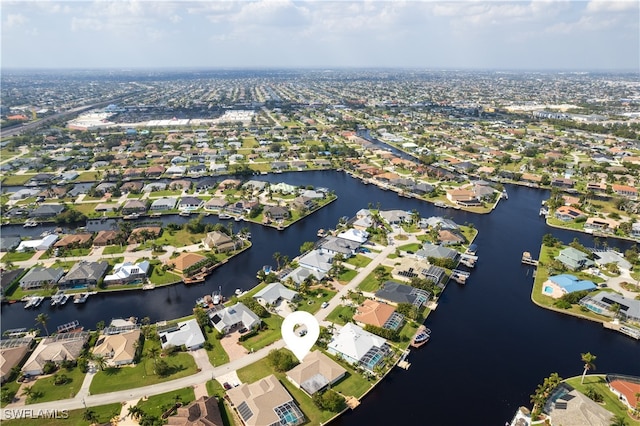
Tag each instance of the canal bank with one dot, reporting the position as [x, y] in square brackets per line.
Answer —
[489, 341]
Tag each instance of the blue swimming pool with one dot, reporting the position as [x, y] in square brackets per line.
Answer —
[548, 289]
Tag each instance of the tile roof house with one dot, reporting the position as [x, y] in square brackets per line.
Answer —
[204, 411]
[626, 388]
[105, 238]
[574, 259]
[276, 212]
[58, 348]
[77, 240]
[559, 285]
[371, 312]
[12, 352]
[219, 241]
[232, 317]
[134, 206]
[356, 345]
[601, 303]
[567, 213]
[186, 333]
[118, 349]
[126, 272]
[300, 274]
[395, 293]
[190, 203]
[625, 191]
[8, 243]
[185, 260]
[265, 402]
[140, 234]
[274, 292]
[316, 372]
[39, 277]
[395, 217]
[84, 273]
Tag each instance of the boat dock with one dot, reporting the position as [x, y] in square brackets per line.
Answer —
[460, 276]
[403, 363]
[468, 260]
[622, 328]
[70, 326]
[528, 260]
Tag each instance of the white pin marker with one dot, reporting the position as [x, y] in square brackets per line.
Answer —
[300, 345]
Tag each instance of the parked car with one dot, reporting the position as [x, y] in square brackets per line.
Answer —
[226, 385]
[324, 304]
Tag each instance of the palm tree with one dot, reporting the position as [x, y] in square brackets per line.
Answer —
[135, 412]
[28, 391]
[589, 363]
[277, 257]
[619, 421]
[153, 352]
[100, 361]
[42, 319]
[90, 416]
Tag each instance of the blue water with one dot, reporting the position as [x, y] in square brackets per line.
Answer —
[548, 289]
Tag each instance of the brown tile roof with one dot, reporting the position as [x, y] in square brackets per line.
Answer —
[185, 260]
[68, 240]
[204, 411]
[373, 313]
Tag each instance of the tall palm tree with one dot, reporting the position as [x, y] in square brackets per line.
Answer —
[277, 257]
[42, 319]
[28, 391]
[135, 412]
[589, 363]
[100, 361]
[90, 416]
[153, 352]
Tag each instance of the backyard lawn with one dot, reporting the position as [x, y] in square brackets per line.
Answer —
[159, 277]
[17, 256]
[347, 276]
[51, 392]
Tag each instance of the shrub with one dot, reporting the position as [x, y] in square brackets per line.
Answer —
[49, 367]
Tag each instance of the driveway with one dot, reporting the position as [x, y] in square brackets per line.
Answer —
[232, 347]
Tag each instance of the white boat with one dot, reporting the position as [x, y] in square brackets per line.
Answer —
[238, 292]
[217, 296]
[184, 213]
[131, 216]
[57, 298]
[80, 298]
[63, 300]
[37, 301]
[33, 301]
[148, 286]
[30, 224]
[223, 216]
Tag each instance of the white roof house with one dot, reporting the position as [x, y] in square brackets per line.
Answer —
[274, 292]
[316, 260]
[300, 274]
[41, 244]
[234, 316]
[356, 345]
[186, 333]
[127, 271]
[356, 235]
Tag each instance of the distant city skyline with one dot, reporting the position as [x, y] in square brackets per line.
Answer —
[596, 35]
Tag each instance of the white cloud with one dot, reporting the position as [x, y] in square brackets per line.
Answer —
[15, 20]
[612, 5]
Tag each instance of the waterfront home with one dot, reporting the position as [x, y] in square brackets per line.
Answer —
[283, 188]
[559, 285]
[127, 272]
[105, 187]
[356, 235]
[204, 411]
[301, 274]
[625, 191]
[265, 402]
[84, 273]
[602, 303]
[144, 233]
[463, 197]
[165, 203]
[95, 225]
[154, 186]
[118, 346]
[372, 312]
[107, 207]
[315, 373]
[134, 186]
[105, 238]
[154, 171]
[232, 317]
[215, 204]
[601, 224]
[38, 244]
[574, 259]
[276, 213]
[134, 206]
[58, 348]
[625, 388]
[187, 333]
[395, 217]
[273, 293]
[302, 203]
[434, 273]
[603, 258]
[447, 237]
[568, 213]
[173, 171]
[12, 352]
[334, 245]
[23, 193]
[568, 406]
[47, 211]
[74, 240]
[355, 345]
[439, 252]
[363, 223]
[190, 203]
[255, 185]
[317, 260]
[395, 293]
[185, 261]
[218, 241]
[8, 243]
[41, 277]
[7, 278]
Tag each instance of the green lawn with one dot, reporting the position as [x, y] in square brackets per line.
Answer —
[312, 303]
[17, 256]
[103, 413]
[115, 249]
[413, 247]
[160, 277]
[265, 337]
[157, 404]
[88, 177]
[611, 402]
[51, 392]
[12, 386]
[15, 180]
[86, 208]
[180, 238]
[347, 276]
[359, 261]
[341, 314]
[214, 388]
[371, 283]
[217, 356]
[114, 379]
[165, 193]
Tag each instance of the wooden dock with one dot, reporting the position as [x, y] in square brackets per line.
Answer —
[622, 328]
[528, 260]
[460, 276]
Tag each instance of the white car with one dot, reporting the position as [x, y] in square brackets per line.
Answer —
[324, 304]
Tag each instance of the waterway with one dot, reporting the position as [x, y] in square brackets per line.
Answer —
[490, 345]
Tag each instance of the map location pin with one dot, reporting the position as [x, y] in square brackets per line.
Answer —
[300, 342]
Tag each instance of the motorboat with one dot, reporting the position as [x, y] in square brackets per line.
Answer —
[57, 298]
[422, 336]
[131, 216]
[64, 299]
[30, 224]
[80, 298]
[223, 216]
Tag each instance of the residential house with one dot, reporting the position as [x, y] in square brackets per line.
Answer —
[273, 293]
[142, 233]
[47, 211]
[215, 204]
[154, 171]
[38, 244]
[568, 213]
[185, 260]
[187, 333]
[265, 402]
[163, 204]
[118, 346]
[574, 259]
[41, 277]
[626, 388]
[7, 278]
[463, 197]
[315, 373]
[105, 238]
[154, 186]
[84, 273]
[625, 191]
[127, 272]
[434, 273]
[356, 235]
[395, 217]
[395, 293]
[439, 252]
[317, 260]
[304, 203]
[218, 241]
[74, 240]
[131, 187]
[562, 182]
[232, 317]
[204, 411]
[134, 206]
[559, 285]
[190, 203]
[276, 213]
[334, 245]
[439, 222]
[603, 302]
[301, 274]
[12, 352]
[8, 243]
[447, 237]
[377, 314]
[355, 345]
[57, 349]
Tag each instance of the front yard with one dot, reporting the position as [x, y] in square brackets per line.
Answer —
[46, 390]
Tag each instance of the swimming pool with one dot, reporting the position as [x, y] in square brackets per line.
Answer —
[548, 289]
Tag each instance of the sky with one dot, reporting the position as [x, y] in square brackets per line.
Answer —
[508, 35]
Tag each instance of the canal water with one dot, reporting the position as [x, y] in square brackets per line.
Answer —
[490, 344]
